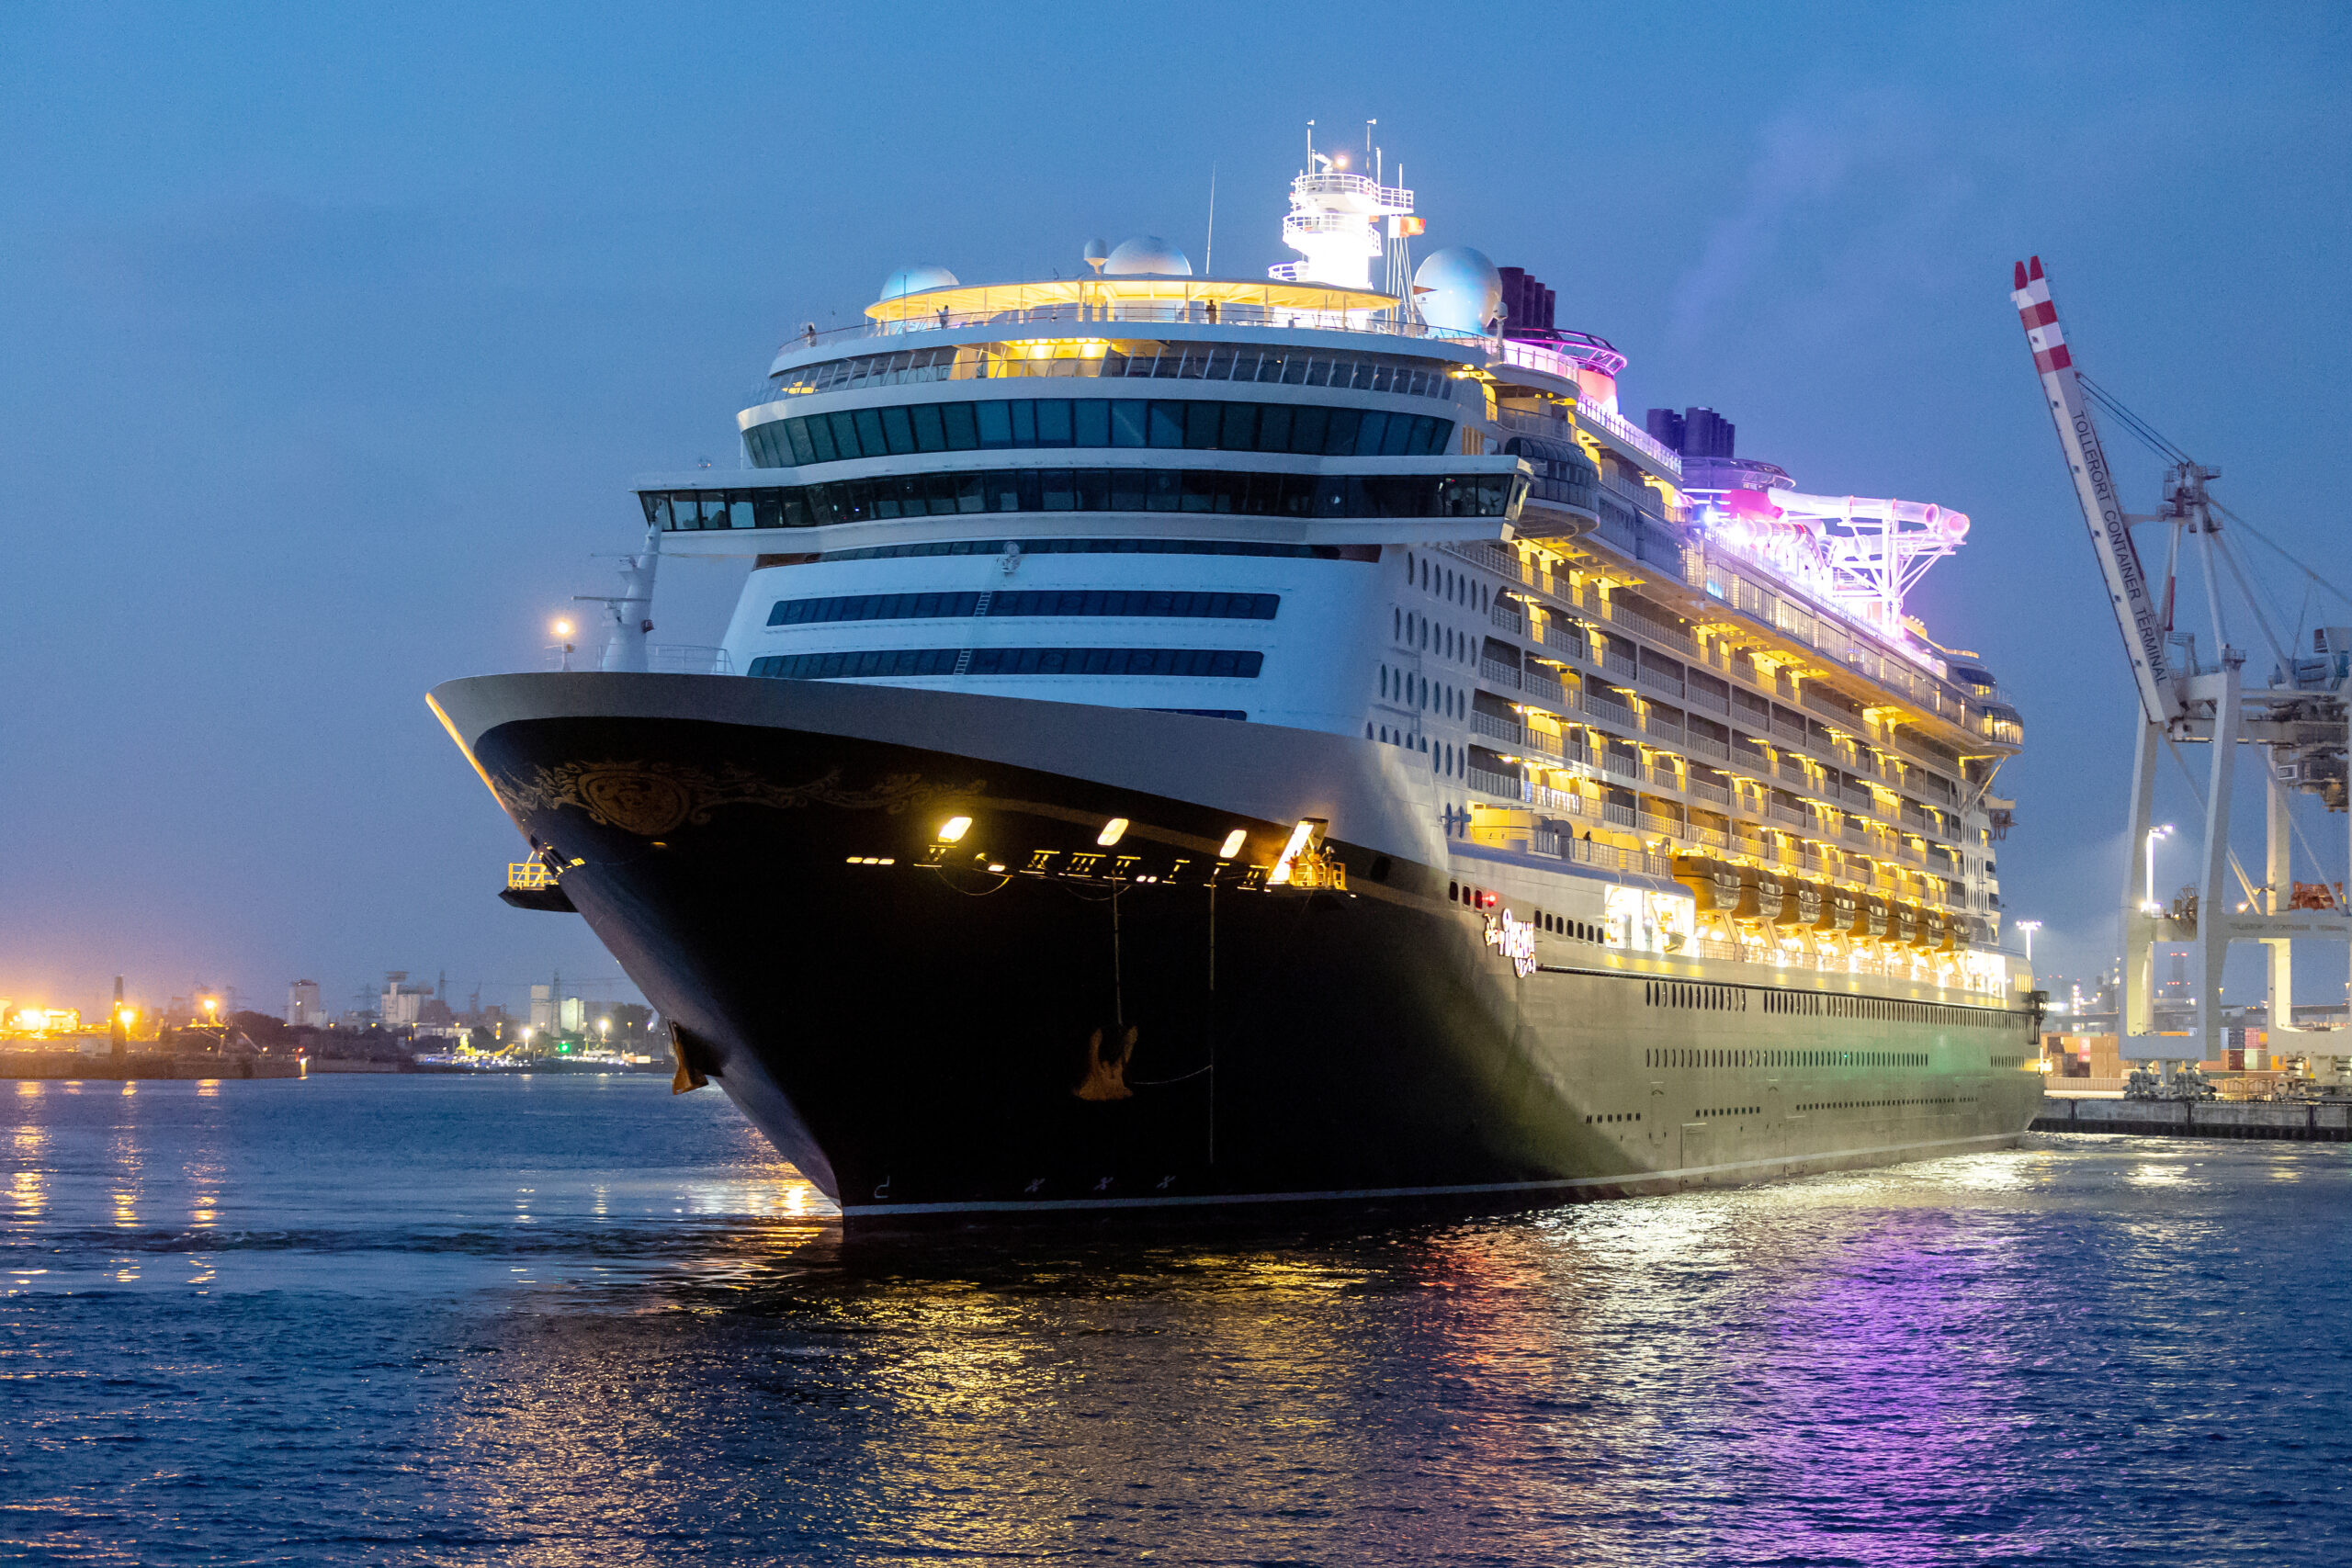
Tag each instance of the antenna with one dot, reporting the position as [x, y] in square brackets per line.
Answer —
[1208, 252]
[1367, 134]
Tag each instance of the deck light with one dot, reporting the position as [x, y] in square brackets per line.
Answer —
[1233, 843]
[1112, 831]
[951, 832]
[1300, 837]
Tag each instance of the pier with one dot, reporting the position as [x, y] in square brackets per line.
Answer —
[2322, 1120]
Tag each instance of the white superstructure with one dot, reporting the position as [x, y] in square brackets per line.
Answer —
[1295, 501]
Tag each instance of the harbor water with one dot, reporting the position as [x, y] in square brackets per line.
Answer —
[575, 1320]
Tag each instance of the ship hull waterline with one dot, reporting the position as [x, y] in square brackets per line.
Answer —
[1028, 1024]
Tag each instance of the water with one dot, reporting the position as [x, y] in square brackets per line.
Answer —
[565, 1320]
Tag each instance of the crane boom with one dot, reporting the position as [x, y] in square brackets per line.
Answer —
[2136, 613]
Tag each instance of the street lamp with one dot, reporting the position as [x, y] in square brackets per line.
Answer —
[563, 634]
[2152, 906]
[2028, 927]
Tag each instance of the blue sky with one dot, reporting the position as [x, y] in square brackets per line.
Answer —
[334, 335]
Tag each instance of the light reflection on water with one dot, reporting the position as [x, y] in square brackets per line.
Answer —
[574, 1321]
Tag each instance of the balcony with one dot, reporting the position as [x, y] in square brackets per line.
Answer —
[1502, 674]
[1542, 683]
[1505, 784]
[1502, 729]
[1607, 706]
[1505, 615]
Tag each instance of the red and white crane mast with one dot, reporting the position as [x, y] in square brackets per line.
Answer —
[2137, 613]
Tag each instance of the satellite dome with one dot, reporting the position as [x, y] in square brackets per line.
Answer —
[915, 279]
[1464, 290]
[1149, 255]
[1097, 253]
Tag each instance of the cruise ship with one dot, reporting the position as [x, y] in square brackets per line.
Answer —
[1192, 742]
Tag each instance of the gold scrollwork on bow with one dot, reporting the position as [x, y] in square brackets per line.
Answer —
[651, 798]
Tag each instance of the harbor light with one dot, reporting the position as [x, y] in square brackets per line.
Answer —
[951, 832]
[2028, 927]
[1112, 831]
[1233, 843]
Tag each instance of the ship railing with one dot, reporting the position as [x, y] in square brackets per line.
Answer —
[1501, 729]
[1502, 674]
[1562, 843]
[688, 659]
[1541, 682]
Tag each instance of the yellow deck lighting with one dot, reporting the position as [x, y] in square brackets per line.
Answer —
[1300, 837]
[1112, 831]
[951, 832]
[1233, 843]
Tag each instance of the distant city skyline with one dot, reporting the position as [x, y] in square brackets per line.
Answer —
[337, 338]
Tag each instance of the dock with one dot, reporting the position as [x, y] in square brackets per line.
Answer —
[67, 1065]
[2322, 1122]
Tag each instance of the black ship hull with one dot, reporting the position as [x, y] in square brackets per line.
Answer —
[1029, 1021]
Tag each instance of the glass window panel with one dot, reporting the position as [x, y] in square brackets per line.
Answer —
[1053, 422]
[1295, 369]
[1201, 426]
[1423, 433]
[1090, 422]
[820, 438]
[931, 435]
[1031, 498]
[1418, 383]
[739, 510]
[1270, 368]
[1058, 494]
[1196, 364]
[1167, 366]
[803, 450]
[891, 499]
[796, 509]
[1167, 490]
[996, 425]
[1127, 490]
[657, 508]
[767, 508]
[1024, 421]
[939, 494]
[1220, 365]
[1094, 490]
[1381, 374]
[1372, 433]
[1003, 490]
[1340, 441]
[1167, 424]
[898, 435]
[961, 434]
[1128, 422]
[1273, 427]
[1199, 492]
[971, 493]
[1307, 429]
[870, 439]
[1363, 379]
[1238, 427]
[1318, 372]
[1399, 440]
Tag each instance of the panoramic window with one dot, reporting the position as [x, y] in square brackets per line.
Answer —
[1171, 425]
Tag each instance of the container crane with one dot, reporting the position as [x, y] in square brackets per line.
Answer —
[2297, 719]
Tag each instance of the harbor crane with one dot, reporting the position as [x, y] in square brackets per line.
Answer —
[2197, 689]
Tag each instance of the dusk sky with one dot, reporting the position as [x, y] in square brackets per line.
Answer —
[333, 336]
